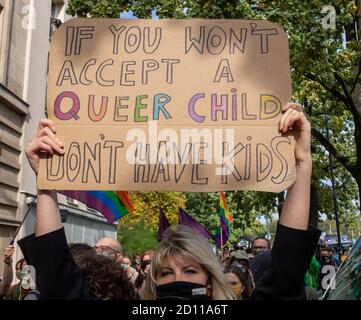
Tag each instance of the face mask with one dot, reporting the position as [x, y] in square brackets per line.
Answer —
[124, 266]
[237, 290]
[19, 275]
[256, 252]
[137, 261]
[325, 259]
[181, 290]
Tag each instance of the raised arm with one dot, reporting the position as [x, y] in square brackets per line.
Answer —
[8, 271]
[294, 244]
[57, 274]
[295, 212]
[47, 212]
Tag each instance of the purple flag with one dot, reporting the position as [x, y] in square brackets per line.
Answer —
[163, 224]
[225, 233]
[188, 221]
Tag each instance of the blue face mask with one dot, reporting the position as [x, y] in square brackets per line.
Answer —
[181, 290]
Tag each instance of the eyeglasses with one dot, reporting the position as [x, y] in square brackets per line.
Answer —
[108, 252]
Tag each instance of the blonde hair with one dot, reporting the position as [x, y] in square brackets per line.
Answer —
[183, 242]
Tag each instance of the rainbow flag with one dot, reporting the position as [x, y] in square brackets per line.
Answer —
[226, 220]
[113, 205]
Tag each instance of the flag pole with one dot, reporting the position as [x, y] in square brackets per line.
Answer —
[221, 241]
[22, 222]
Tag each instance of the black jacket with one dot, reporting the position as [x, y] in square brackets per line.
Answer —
[291, 256]
[57, 274]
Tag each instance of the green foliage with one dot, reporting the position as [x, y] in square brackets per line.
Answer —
[137, 237]
[147, 206]
[326, 79]
[97, 8]
[204, 207]
[352, 229]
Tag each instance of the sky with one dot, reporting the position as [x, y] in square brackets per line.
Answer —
[129, 15]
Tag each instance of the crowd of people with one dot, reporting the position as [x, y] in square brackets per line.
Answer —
[242, 268]
[183, 266]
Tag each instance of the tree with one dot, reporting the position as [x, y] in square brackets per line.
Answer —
[326, 74]
[137, 237]
[204, 207]
[96, 8]
[147, 206]
[328, 69]
[352, 229]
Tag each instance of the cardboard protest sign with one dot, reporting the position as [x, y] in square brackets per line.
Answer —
[169, 105]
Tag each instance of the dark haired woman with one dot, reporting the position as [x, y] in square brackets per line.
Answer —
[143, 271]
[239, 278]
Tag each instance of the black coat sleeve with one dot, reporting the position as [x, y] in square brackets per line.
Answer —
[291, 256]
[57, 275]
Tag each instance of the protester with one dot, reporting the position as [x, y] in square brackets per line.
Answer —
[240, 280]
[104, 278]
[110, 247]
[345, 252]
[7, 277]
[147, 255]
[90, 274]
[260, 264]
[295, 242]
[137, 262]
[184, 262]
[260, 244]
[226, 254]
[16, 291]
[327, 265]
[66, 273]
[143, 271]
[76, 248]
[326, 257]
[184, 267]
[132, 274]
[239, 258]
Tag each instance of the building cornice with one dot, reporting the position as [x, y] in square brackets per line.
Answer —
[12, 100]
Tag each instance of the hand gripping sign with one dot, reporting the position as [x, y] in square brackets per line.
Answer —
[161, 105]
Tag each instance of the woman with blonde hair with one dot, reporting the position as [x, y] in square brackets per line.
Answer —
[184, 267]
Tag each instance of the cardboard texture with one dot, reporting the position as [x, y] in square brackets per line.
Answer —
[169, 105]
